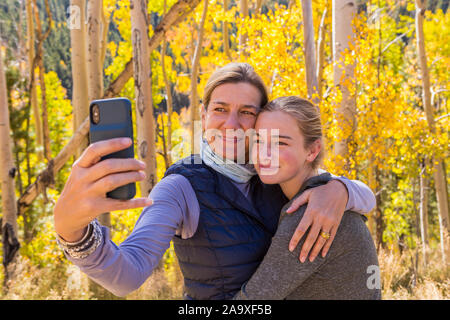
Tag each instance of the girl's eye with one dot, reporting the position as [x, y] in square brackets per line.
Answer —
[248, 113]
[260, 141]
[282, 143]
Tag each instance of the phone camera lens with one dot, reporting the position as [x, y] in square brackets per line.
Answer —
[95, 114]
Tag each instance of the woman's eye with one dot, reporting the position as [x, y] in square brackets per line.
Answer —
[219, 109]
[248, 113]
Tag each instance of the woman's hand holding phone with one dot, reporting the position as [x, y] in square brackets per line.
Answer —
[84, 195]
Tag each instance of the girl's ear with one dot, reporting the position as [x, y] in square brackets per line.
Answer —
[314, 150]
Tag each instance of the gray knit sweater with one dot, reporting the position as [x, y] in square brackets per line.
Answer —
[349, 271]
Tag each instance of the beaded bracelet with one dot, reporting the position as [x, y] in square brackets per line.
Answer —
[83, 248]
[87, 234]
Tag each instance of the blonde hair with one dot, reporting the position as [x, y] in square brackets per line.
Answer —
[308, 119]
[235, 72]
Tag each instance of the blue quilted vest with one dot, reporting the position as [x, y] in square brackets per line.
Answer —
[233, 233]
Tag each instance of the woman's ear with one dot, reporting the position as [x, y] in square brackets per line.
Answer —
[203, 118]
[314, 150]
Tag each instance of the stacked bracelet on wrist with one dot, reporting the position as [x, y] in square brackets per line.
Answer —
[83, 248]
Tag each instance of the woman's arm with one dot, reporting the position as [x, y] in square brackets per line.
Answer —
[280, 273]
[361, 198]
[122, 269]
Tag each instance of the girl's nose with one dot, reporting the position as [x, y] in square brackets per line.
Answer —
[264, 155]
[264, 161]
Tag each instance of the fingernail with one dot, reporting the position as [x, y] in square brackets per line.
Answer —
[142, 174]
[141, 163]
[302, 259]
[125, 141]
[289, 210]
[148, 201]
[291, 248]
[312, 259]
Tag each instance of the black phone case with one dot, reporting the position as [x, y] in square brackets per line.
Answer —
[115, 121]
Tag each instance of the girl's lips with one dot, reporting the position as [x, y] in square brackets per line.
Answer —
[265, 166]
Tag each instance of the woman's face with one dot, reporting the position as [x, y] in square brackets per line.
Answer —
[278, 151]
[230, 118]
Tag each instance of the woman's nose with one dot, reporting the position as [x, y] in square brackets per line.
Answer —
[232, 121]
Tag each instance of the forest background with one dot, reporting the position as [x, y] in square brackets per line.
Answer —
[384, 98]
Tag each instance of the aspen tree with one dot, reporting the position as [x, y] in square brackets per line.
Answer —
[310, 50]
[243, 8]
[225, 33]
[32, 84]
[80, 97]
[438, 167]
[168, 156]
[195, 112]
[343, 13]
[7, 185]
[145, 125]
[39, 62]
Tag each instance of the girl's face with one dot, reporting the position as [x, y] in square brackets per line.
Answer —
[278, 151]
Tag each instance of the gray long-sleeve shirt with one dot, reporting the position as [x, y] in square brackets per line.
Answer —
[349, 271]
[175, 210]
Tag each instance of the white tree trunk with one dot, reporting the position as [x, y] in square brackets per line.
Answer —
[94, 38]
[9, 214]
[243, 36]
[33, 93]
[80, 98]
[225, 33]
[321, 53]
[310, 50]
[40, 63]
[195, 112]
[168, 153]
[423, 210]
[343, 13]
[143, 91]
[438, 166]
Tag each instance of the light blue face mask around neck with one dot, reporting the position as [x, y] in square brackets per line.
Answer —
[241, 173]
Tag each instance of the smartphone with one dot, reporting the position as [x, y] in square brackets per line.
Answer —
[111, 118]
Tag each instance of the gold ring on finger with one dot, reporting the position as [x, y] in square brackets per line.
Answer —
[325, 235]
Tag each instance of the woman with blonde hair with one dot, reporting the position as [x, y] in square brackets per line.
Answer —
[287, 151]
